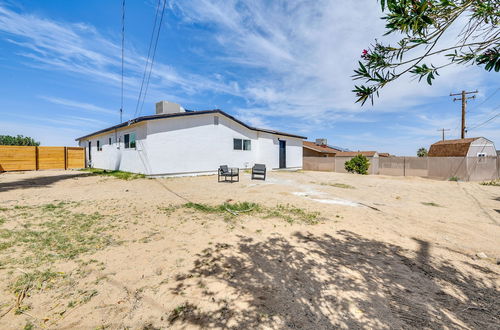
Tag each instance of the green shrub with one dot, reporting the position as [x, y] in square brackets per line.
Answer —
[454, 178]
[8, 140]
[358, 164]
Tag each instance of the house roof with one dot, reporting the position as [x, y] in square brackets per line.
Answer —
[319, 148]
[183, 114]
[355, 153]
[451, 148]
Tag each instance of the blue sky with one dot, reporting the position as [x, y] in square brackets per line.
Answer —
[284, 65]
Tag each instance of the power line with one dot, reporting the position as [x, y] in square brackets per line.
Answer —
[153, 56]
[123, 57]
[489, 97]
[486, 100]
[488, 120]
[148, 58]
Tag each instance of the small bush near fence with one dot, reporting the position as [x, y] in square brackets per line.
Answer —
[491, 183]
[358, 164]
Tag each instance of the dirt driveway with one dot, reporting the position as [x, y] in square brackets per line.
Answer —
[302, 250]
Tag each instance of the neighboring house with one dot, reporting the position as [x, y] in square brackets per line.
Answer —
[469, 147]
[318, 149]
[176, 141]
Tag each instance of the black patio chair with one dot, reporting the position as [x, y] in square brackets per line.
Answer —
[225, 172]
[259, 172]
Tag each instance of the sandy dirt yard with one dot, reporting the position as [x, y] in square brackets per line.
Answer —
[302, 250]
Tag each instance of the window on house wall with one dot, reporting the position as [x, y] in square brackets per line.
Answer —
[247, 145]
[240, 144]
[132, 140]
[129, 140]
[99, 148]
[216, 120]
[237, 144]
[109, 141]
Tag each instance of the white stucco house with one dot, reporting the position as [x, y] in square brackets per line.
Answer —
[176, 141]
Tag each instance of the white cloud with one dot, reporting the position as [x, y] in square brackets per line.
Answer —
[79, 49]
[306, 52]
[77, 105]
[289, 61]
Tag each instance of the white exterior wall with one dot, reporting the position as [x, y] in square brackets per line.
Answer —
[191, 145]
[269, 150]
[482, 145]
[115, 156]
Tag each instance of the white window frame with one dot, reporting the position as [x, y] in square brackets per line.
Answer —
[249, 145]
[481, 157]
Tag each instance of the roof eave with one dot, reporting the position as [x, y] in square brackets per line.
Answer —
[317, 150]
[153, 117]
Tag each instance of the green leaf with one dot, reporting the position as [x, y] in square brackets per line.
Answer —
[427, 19]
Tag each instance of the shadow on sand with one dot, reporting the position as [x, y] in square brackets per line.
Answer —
[346, 281]
[38, 182]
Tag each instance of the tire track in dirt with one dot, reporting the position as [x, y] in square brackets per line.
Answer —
[485, 211]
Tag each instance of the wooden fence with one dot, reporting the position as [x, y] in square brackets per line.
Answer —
[17, 158]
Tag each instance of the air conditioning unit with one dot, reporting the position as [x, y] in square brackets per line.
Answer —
[321, 142]
[164, 107]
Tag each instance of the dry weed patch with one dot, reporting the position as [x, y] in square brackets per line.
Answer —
[117, 174]
[287, 212]
[33, 241]
[431, 204]
[495, 183]
[52, 232]
[335, 184]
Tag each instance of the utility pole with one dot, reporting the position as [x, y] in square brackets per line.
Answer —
[443, 130]
[463, 97]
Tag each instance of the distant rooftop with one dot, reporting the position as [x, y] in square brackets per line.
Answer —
[355, 153]
[451, 148]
